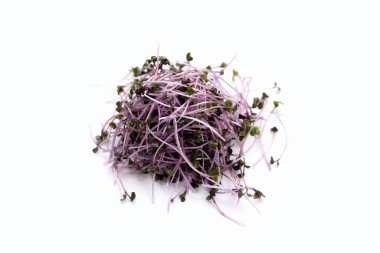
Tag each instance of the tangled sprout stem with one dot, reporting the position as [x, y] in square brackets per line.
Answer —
[178, 123]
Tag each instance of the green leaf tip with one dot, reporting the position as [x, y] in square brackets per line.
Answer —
[188, 57]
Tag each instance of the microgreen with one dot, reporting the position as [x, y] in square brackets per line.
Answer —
[176, 122]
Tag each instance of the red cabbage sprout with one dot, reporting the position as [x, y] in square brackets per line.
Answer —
[182, 124]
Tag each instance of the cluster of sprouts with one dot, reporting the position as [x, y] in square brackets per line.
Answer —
[180, 124]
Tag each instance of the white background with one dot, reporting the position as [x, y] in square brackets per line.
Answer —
[60, 62]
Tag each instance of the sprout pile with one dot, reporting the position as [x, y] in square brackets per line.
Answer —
[181, 124]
